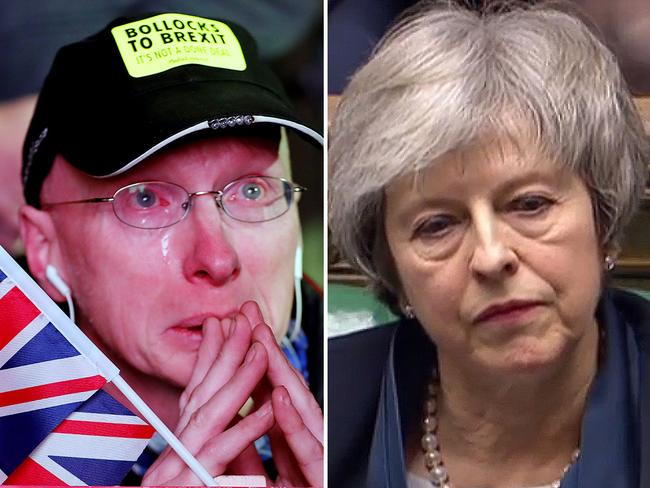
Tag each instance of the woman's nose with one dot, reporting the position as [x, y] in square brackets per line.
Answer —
[211, 257]
[493, 256]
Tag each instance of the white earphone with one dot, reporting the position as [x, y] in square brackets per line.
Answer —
[297, 280]
[297, 264]
[294, 329]
[61, 286]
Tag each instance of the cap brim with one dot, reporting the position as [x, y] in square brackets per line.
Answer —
[151, 121]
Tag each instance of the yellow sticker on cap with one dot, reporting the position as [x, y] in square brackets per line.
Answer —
[159, 43]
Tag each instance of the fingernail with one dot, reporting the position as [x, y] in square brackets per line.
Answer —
[264, 410]
[225, 327]
[231, 329]
[251, 353]
[284, 398]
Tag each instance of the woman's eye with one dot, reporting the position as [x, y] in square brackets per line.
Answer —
[434, 226]
[530, 204]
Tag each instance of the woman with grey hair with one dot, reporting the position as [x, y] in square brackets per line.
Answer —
[483, 167]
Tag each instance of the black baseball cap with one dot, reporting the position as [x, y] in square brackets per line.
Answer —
[142, 83]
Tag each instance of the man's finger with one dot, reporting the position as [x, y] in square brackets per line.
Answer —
[212, 418]
[224, 448]
[289, 472]
[213, 338]
[281, 373]
[307, 450]
[248, 462]
[252, 311]
[216, 454]
[230, 357]
[214, 415]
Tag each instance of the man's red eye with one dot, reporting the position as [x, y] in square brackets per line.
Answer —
[146, 198]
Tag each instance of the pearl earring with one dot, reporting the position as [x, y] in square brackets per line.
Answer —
[609, 263]
[408, 311]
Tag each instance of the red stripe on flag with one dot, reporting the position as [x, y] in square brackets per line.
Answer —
[31, 473]
[51, 390]
[83, 427]
[16, 312]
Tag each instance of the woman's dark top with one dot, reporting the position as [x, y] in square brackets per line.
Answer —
[377, 379]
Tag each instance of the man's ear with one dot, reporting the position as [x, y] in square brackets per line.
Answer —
[41, 246]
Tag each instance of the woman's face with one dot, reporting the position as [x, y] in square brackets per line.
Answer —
[497, 253]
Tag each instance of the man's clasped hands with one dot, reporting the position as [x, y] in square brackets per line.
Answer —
[239, 358]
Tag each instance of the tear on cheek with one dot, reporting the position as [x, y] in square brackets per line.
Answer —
[164, 247]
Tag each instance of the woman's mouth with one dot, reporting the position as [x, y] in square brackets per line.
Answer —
[511, 312]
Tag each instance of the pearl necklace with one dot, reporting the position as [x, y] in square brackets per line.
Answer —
[433, 458]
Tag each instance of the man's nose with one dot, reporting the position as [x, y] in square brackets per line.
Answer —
[211, 258]
[493, 256]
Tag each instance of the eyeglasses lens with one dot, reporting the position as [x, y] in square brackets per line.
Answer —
[150, 205]
[257, 198]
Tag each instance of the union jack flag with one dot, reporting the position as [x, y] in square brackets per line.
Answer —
[96, 445]
[50, 374]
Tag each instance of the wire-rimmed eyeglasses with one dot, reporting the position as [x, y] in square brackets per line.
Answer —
[159, 204]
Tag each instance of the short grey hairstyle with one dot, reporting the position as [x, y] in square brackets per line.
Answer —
[443, 78]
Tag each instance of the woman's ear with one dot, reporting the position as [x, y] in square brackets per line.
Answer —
[613, 250]
[41, 246]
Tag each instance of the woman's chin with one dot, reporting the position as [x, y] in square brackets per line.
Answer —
[524, 355]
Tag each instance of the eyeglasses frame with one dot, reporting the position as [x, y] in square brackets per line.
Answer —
[187, 205]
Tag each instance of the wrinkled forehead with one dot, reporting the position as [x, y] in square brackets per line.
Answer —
[197, 161]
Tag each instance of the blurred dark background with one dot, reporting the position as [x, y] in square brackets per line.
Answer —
[356, 25]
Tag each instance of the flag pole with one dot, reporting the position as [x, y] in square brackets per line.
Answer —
[196, 467]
